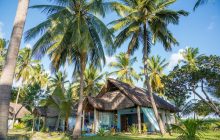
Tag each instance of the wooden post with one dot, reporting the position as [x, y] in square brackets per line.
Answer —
[139, 118]
[95, 120]
[83, 121]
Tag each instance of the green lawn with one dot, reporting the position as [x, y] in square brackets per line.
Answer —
[27, 135]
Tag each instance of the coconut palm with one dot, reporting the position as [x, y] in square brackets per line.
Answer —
[72, 33]
[93, 81]
[3, 51]
[156, 66]
[24, 70]
[40, 76]
[199, 2]
[124, 68]
[190, 129]
[59, 98]
[190, 57]
[8, 71]
[146, 21]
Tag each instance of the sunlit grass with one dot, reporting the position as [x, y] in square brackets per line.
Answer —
[28, 135]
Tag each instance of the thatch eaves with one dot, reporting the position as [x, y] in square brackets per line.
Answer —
[119, 95]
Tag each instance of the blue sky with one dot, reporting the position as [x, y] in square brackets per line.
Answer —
[200, 29]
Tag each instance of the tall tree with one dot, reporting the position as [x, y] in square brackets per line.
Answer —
[199, 3]
[3, 51]
[146, 21]
[10, 65]
[93, 81]
[124, 68]
[24, 70]
[156, 67]
[73, 33]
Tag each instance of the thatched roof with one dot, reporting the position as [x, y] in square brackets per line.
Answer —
[46, 111]
[50, 111]
[19, 109]
[118, 95]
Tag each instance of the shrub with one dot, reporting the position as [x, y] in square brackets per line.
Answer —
[133, 129]
[144, 127]
[101, 132]
[19, 126]
[190, 129]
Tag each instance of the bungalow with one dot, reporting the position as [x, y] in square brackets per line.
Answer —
[120, 105]
[48, 116]
[16, 109]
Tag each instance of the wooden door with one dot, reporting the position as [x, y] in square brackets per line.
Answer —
[124, 123]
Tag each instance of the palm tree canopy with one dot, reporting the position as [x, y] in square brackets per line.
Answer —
[26, 65]
[154, 13]
[72, 29]
[156, 66]
[191, 56]
[93, 81]
[124, 68]
[199, 2]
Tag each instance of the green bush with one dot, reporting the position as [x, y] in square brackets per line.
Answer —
[101, 132]
[190, 129]
[133, 129]
[144, 125]
[19, 126]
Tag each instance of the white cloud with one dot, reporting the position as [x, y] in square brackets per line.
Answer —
[28, 46]
[1, 32]
[175, 58]
[211, 25]
[110, 59]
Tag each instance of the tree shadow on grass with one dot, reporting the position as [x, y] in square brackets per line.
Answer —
[18, 137]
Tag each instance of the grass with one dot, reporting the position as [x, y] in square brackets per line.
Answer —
[22, 134]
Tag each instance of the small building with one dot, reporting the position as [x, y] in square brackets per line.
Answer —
[120, 105]
[16, 109]
[48, 116]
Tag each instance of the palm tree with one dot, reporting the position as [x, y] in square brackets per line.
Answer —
[146, 21]
[73, 33]
[59, 97]
[156, 66]
[3, 51]
[40, 76]
[124, 68]
[24, 70]
[93, 81]
[199, 2]
[190, 129]
[10, 65]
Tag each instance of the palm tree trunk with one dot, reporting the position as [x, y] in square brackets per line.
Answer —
[77, 129]
[16, 102]
[9, 68]
[145, 57]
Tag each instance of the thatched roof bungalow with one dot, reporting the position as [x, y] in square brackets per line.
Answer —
[120, 105]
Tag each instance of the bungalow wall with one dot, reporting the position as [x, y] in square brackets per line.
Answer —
[108, 120]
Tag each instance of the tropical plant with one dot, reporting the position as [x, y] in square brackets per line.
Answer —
[190, 57]
[124, 68]
[189, 129]
[101, 132]
[199, 3]
[24, 70]
[40, 76]
[72, 33]
[156, 66]
[133, 129]
[93, 81]
[59, 98]
[146, 21]
[3, 51]
[8, 71]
